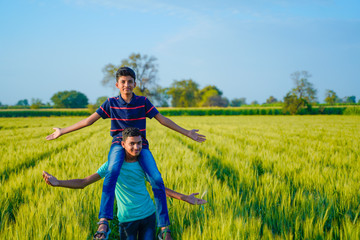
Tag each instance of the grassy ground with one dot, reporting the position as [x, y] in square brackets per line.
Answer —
[270, 177]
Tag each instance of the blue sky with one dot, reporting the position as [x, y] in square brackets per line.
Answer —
[246, 48]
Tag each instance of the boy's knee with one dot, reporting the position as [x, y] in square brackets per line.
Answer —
[113, 170]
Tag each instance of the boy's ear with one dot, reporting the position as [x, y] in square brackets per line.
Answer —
[123, 144]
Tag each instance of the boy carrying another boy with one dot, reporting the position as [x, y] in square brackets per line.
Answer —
[136, 211]
[129, 110]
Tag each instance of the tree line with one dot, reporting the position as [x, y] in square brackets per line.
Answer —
[186, 92]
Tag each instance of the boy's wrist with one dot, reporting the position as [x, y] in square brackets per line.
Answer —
[184, 198]
[56, 183]
[61, 132]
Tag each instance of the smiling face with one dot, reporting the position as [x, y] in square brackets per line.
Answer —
[132, 146]
[126, 85]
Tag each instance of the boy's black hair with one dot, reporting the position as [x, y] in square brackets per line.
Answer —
[125, 71]
[130, 132]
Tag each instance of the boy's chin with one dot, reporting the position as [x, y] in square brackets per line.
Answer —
[126, 92]
[135, 154]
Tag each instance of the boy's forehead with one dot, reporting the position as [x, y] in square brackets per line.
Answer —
[126, 78]
[133, 139]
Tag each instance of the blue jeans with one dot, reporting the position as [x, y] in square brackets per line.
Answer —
[143, 229]
[147, 162]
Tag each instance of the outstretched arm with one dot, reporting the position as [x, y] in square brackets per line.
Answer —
[189, 133]
[72, 183]
[186, 198]
[83, 123]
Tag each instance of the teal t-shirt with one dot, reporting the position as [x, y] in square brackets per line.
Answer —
[132, 198]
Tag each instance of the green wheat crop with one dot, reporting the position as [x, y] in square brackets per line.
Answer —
[269, 177]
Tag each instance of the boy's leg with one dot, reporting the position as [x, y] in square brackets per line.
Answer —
[147, 228]
[115, 161]
[129, 230]
[148, 164]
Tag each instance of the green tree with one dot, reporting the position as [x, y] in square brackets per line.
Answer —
[254, 102]
[100, 100]
[291, 103]
[237, 102]
[331, 97]
[271, 100]
[92, 107]
[23, 102]
[146, 92]
[218, 101]
[36, 103]
[145, 68]
[303, 88]
[184, 93]
[160, 97]
[350, 99]
[69, 99]
[339, 100]
[303, 95]
[211, 96]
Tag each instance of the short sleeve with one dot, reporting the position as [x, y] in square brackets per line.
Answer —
[103, 170]
[150, 110]
[104, 109]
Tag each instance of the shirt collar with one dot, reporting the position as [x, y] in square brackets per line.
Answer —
[122, 101]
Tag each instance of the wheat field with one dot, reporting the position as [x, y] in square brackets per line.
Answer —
[264, 177]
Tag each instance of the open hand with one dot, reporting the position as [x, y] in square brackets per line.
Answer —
[195, 136]
[55, 134]
[193, 200]
[50, 179]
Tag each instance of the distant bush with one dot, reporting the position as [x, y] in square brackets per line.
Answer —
[337, 104]
[277, 104]
[219, 111]
[92, 108]
[352, 111]
[14, 107]
[322, 110]
[43, 113]
[188, 111]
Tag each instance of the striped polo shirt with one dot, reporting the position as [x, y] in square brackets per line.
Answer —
[123, 115]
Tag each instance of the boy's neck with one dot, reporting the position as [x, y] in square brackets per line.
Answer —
[129, 158]
[127, 97]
